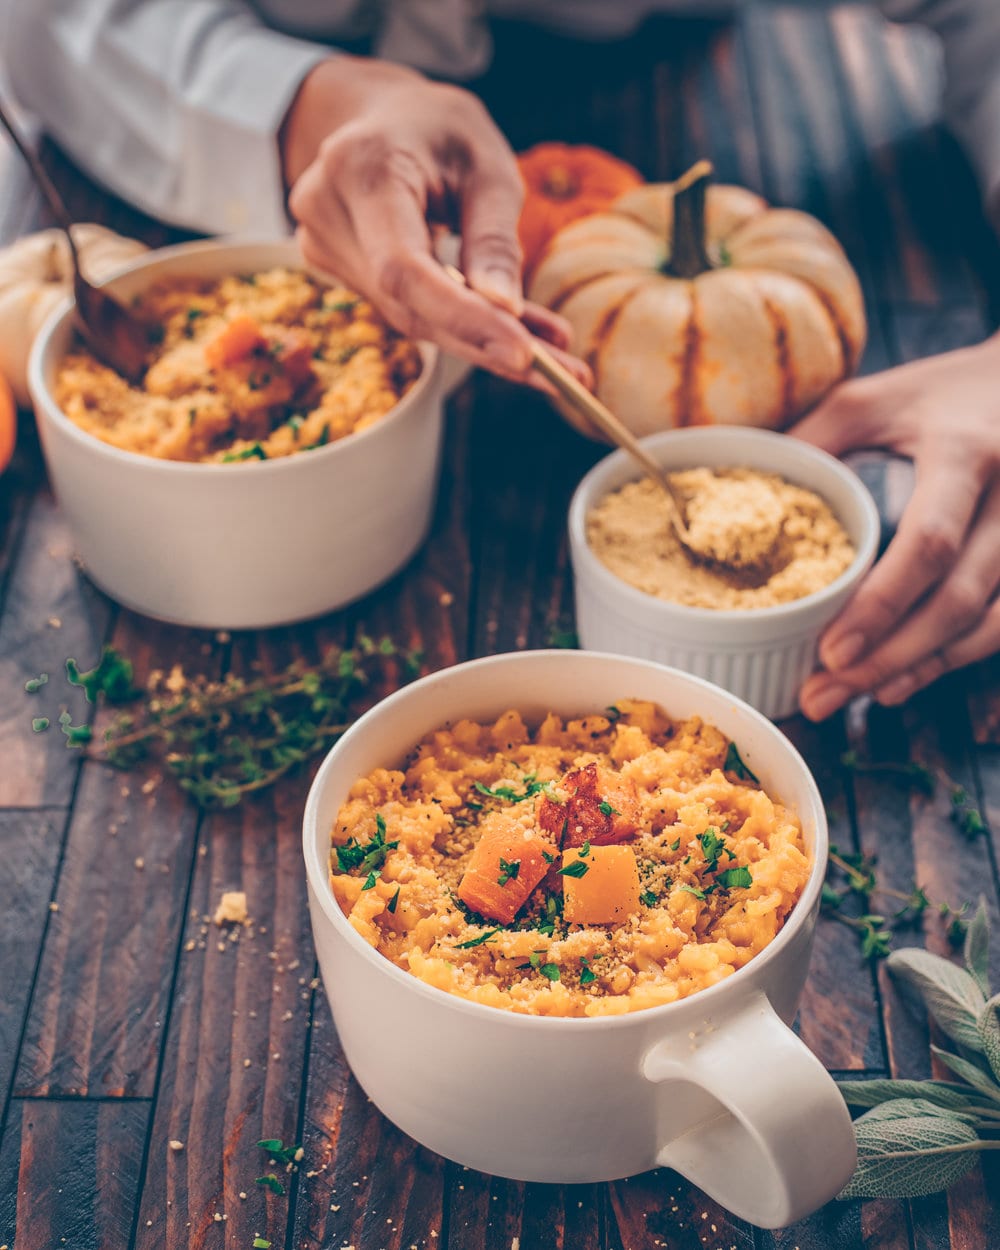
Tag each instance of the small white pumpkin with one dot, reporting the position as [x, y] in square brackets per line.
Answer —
[35, 274]
[699, 305]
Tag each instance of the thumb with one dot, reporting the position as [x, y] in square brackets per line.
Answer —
[491, 253]
[850, 417]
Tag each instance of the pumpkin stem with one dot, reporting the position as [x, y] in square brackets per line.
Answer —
[689, 257]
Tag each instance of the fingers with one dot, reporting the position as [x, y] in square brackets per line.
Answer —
[491, 253]
[944, 631]
[547, 325]
[854, 415]
[924, 551]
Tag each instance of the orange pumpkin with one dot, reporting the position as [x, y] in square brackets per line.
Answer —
[562, 183]
[8, 423]
[698, 305]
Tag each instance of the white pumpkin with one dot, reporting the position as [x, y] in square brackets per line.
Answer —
[699, 305]
[35, 274]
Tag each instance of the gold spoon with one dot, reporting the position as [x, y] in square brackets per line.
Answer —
[115, 335]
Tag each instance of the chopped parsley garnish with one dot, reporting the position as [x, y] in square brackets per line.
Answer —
[606, 809]
[346, 354]
[531, 788]
[553, 906]
[270, 1182]
[76, 735]
[367, 857]
[370, 880]
[294, 423]
[584, 850]
[508, 870]
[192, 416]
[712, 846]
[675, 844]
[734, 764]
[324, 438]
[477, 941]
[693, 889]
[549, 859]
[734, 877]
[343, 305]
[576, 869]
[394, 901]
[587, 975]
[256, 451]
[34, 684]
[40, 724]
[649, 898]
[550, 970]
[613, 713]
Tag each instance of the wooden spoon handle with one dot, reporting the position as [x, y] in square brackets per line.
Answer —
[50, 195]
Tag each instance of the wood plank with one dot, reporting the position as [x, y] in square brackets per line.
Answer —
[839, 1018]
[661, 1209]
[50, 613]
[74, 1169]
[237, 1033]
[30, 844]
[95, 1026]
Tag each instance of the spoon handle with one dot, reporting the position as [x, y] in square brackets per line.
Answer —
[51, 196]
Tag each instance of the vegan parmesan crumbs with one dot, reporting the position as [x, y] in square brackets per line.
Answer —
[788, 533]
[641, 860]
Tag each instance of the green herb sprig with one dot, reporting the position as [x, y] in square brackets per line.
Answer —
[854, 876]
[919, 1137]
[223, 740]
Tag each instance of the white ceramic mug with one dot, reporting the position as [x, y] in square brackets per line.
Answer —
[716, 1085]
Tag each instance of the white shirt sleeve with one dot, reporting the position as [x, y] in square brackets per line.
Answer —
[970, 35]
[173, 104]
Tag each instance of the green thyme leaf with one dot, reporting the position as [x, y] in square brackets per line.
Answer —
[40, 723]
[110, 678]
[76, 735]
[34, 684]
[271, 1182]
[261, 1243]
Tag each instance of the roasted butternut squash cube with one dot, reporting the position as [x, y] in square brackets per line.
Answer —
[607, 892]
[506, 864]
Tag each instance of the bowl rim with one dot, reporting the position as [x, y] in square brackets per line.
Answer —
[317, 862]
[45, 401]
[592, 488]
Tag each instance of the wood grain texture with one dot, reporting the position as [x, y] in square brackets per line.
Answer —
[71, 1173]
[108, 959]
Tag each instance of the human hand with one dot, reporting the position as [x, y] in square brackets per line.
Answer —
[375, 156]
[930, 603]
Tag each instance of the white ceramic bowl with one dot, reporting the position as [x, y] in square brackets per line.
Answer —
[240, 546]
[762, 655]
[715, 1085]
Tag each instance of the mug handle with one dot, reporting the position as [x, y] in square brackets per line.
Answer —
[781, 1117]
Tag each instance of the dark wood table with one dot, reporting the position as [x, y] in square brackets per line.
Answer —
[126, 1022]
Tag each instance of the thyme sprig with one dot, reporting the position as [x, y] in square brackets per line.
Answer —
[855, 876]
[222, 740]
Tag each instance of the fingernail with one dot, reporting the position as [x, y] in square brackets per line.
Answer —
[826, 701]
[510, 357]
[896, 691]
[844, 651]
[499, 287]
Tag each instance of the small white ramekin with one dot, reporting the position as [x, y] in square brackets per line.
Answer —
[762, 655]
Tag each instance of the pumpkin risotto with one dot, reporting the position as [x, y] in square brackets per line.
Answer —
[590, 867]
[241, 368]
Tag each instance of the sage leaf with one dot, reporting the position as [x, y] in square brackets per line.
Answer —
[941, 1093]
[910, 1108]
[951, 994]
[977, 948]
[989, 1031]
[908, 1158]
[970, 1072]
